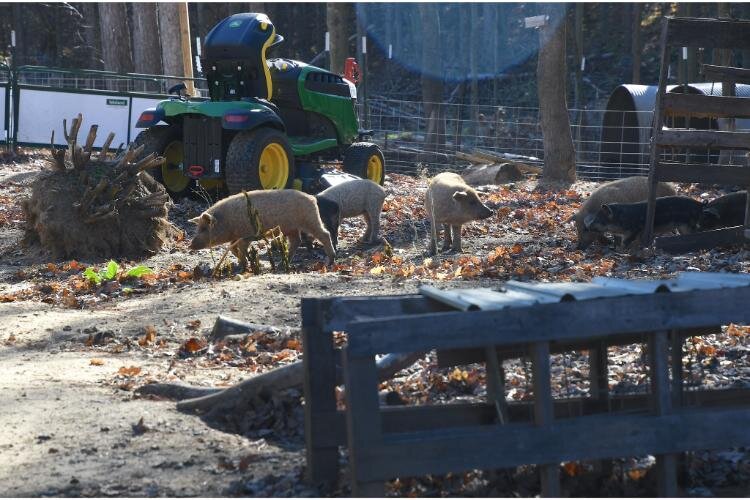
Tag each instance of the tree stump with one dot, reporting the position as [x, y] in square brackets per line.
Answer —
[105, 206]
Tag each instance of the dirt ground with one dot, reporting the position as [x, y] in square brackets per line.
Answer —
[72, 354]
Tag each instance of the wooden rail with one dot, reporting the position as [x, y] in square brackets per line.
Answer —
[389, 442]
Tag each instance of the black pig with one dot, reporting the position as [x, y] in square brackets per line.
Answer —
[627, 220]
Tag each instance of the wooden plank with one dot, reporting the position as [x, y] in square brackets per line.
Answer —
[363, 422]
[585, 438]
[454, 357]
[704, 240]
[577, 321]
[330, 428]
[496, 383]
[658, 121]
[714, 174]
[676, 342]
[702, 139]
[666, 464]
[706, 106]
[319, 365]
[544, 413]
[706, 32]
[343, 310]
[730, 74]
[598, 372]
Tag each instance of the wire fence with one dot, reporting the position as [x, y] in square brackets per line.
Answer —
[410, 140]
[103, 80]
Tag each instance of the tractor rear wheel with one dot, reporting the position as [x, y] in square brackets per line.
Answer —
[364, 159]
[259, 159]
[166, 141]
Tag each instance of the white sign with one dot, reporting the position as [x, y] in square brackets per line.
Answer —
[583, 63]
[328, 41]
[40, 112]
[13, 38]
[390, 51]
[364, 45]
[535, 21]
[684, 53]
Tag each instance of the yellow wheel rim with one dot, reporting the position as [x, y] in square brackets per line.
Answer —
[273, 168]
[375, 168]
[171, 175]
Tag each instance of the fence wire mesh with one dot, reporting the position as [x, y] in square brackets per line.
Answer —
[411, 141]
[99, 80]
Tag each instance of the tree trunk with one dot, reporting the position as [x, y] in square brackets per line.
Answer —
[91, 34]
[146, 48]
[636, 42]
[432, 85]
[338, 22]
[559, 154]
[169, 34]
[18, 25]
[473, 54]
[115, 33]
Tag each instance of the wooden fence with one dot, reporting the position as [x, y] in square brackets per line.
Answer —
[389, 442]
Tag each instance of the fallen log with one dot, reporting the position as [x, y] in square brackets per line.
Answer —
[175, 391]
[484, 158]
[225, 326]
[492, 174]
[286, 377]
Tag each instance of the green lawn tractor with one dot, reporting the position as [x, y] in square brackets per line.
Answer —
[269, 123]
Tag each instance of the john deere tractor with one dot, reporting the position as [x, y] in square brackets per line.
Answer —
[269, 123]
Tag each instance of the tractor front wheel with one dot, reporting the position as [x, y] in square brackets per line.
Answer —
[364, 159]
[166, 141]
[259, 159]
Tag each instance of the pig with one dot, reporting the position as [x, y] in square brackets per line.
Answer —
[228, 221]
[451, 202]
[358, 197]
[725, 211]
[627, 190]
[628, 220]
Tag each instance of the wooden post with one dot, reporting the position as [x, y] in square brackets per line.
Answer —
[599, 374]
[666, 465]
[648, 230]
[319, 364]
[676, 341]
[187, 52]
[496, 383]
[363, 421]
[544, 412]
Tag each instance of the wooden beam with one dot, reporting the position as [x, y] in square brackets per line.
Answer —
[584, 438]
[714, 33]
[187, 52]
[544, 413]
[701, 241]
[725, 74]
[319, 365]
[705, 139]
[330, 427]
[706, 106]
[666, 464]
[562, 322]
[714, 174]
[363, 421]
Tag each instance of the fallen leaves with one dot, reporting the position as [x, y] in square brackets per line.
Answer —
[148, 337]
[96, 362]
[129, 371]
[193, 345]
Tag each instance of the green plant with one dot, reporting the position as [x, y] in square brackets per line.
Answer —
[110, 272]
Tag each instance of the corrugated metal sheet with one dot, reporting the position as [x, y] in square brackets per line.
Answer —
[517, 294]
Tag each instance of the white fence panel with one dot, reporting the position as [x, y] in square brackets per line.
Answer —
[42, 111]
[139, 105]
[4, 128]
